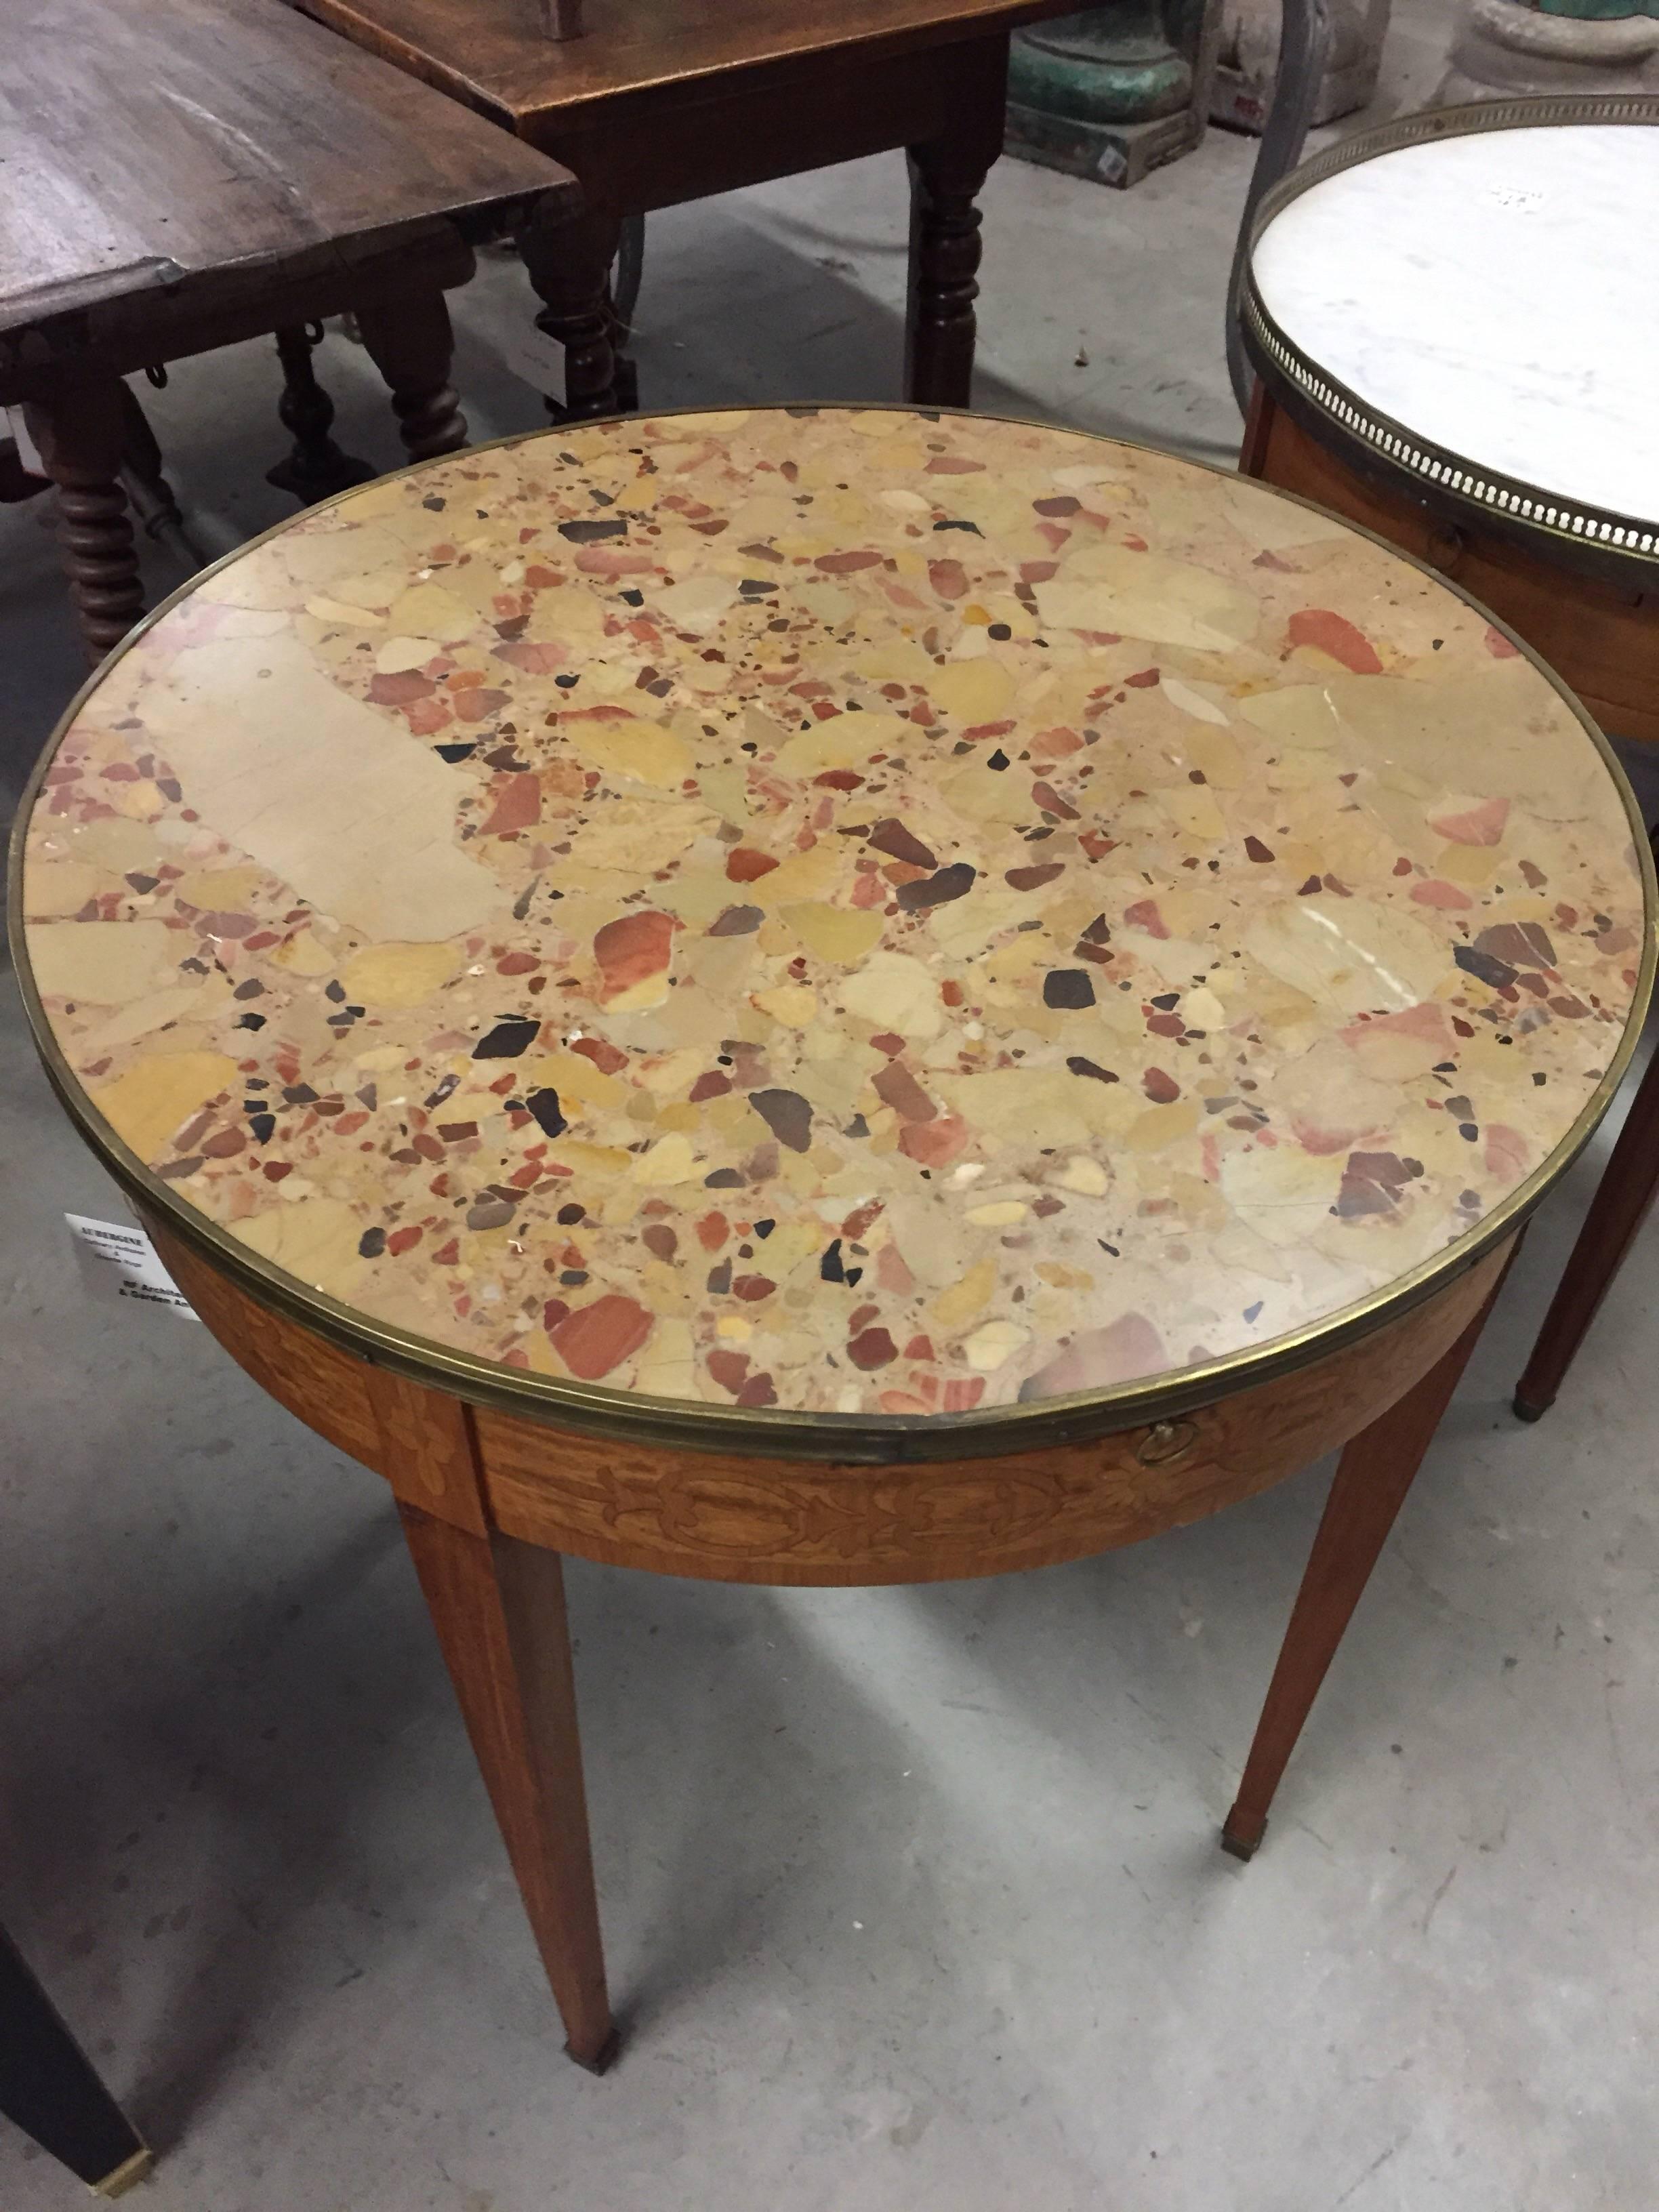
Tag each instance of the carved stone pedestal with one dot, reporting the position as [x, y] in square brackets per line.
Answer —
[1114, 92]
[1249, 60]
[1505, 47]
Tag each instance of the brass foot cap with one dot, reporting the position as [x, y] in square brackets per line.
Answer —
[131, 2172]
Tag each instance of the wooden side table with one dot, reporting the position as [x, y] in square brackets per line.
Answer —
[657, 101]
[194, 173]
[1474, 387]
[829, 996]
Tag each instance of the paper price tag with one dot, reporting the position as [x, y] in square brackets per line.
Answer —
[532, 354]
[119, 1262]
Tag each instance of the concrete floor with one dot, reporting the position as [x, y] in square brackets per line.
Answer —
[913, 1897]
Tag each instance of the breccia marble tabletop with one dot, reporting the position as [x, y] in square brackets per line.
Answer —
[848, 912]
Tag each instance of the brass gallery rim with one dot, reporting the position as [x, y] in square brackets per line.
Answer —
[1182, 700]
[1622, 547]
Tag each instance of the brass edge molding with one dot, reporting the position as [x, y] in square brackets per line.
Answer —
[780, 1433]
[1622, 547]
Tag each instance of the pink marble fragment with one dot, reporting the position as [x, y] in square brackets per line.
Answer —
[1127, 1347]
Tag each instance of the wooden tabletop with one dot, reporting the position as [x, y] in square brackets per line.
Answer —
[156, 146]
[495, 54]
[879, 915]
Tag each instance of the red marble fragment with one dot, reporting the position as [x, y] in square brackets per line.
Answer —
[605, 1056]
[476, 703]
[1051, 802]
[948, 578]
[596, 1338]
[872, 1348]
[1143, 914]
[518, 804]
[935, 1144]
[400, 689]
[1333, 633]
[1163, 1090]
[895, 1086]
[631, 951]
[1482, 825]
[846, 564]
[745, 865]
[729, 1369]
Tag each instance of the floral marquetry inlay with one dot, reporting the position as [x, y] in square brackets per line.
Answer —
[845, 911]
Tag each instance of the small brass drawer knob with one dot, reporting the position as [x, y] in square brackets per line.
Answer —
[1166, 1441]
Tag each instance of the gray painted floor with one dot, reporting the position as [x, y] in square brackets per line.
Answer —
[913, 1897]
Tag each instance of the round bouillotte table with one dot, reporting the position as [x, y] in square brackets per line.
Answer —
[1454, 321]
[1454, 324]
[830, 996]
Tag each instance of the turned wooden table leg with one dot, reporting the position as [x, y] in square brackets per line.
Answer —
[946, 175]
[498, 1607]
[1622, 1201]
[314, 467]
[569, 264]
[80, 433]
[1372, 1477]
[413, 346]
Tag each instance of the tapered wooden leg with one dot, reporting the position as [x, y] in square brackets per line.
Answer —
[80, 433]
[49, 2088]
[568, 263]
[1372, 1477]
[1617, 1212]
[946, 175]
[498, 1607]
[314, 467]
[413, 346]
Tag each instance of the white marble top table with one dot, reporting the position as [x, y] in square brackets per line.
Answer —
[1495, 294]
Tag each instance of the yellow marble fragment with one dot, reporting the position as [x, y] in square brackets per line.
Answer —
[794, 1005]
[103, 963]
[63, 887]
[967, 1297]
[158, 1093]
[992, 1345]
[315, 1239]
[399, 975]
[980, 690]
[647, 752]
[842, 934]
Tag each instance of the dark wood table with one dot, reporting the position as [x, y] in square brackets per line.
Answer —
[657, 101]
[192, 173]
